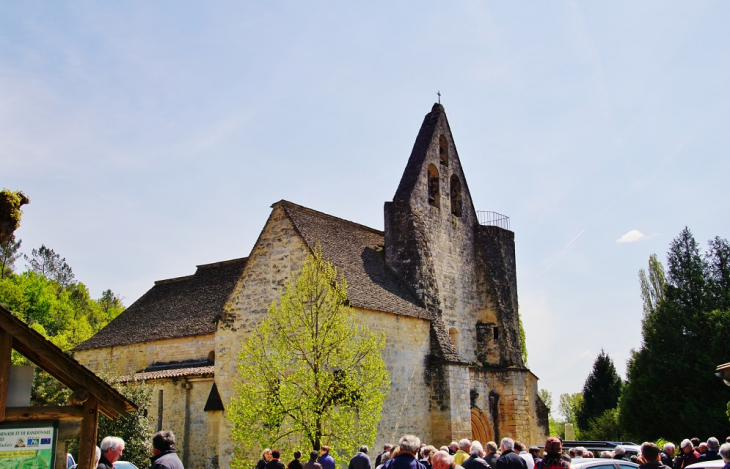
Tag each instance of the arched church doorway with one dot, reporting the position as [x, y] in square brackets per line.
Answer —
[481, 430]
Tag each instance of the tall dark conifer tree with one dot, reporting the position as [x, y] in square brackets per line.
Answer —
[671, 390]
[601, 391]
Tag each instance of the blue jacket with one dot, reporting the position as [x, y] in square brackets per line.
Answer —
[360, 461]
[405, 461]
[327, 461]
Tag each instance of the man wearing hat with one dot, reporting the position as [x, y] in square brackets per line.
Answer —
[553, 455]
[688, 456]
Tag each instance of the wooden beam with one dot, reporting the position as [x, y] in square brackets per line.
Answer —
[6, 350]
[66, 370]
[54, 412]
[69, 429]
[87, 441]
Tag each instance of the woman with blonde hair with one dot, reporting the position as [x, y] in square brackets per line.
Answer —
[265, 458]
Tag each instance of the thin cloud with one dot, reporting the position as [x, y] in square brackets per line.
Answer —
[631, 237]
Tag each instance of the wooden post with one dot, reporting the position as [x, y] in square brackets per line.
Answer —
[6, 350]
[87, 441]
[61, 451]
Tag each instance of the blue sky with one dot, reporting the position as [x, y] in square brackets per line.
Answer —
[154, 136]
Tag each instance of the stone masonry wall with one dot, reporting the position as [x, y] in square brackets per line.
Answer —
[278, 253]
[405, 411]
[183, 399]
[518, 410]
[127, 359]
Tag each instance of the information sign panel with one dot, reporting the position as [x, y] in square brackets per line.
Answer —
[27, 446]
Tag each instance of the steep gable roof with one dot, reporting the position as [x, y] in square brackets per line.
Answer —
[357, 252]
[178, 307]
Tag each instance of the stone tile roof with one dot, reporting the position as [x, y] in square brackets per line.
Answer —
[171, 373]
[178, 307]
[189, 306]
[357, 252]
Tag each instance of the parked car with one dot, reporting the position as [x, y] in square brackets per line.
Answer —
[632, 449]
[124, 465]
[600, 463]
[707, 464]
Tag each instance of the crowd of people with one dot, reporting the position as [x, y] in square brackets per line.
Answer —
[410, 453]
[164, 455]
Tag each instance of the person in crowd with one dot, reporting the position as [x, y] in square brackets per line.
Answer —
[361, 460]
[509, 459]
[386, 458]
[275, 462]
[463, 452]
[406, 458]
[443, 460]
[520, 450]
[535, 453]
[111, 450]
[164, 454]
[476, 457]
[492, 454]
[651, 457]
[553, 458]
[619, 452]
[325, 459]
[713, 449]
[265, 458]
[312, 463]
[687, 456]
[426, 454]
[453, 448]
[580, 452]
[447, 449]
[296, 463]
[606, 455]
[725, 455]
[695, 442]
[386, 449]
[667, 454]
[702, 448]
[571, 452]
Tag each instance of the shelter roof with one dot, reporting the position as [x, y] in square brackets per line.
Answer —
[61, 366]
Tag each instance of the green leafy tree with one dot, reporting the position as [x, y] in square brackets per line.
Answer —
[65, 316]
[601, 391]
[671, 390]
[569, 405]
[8, 255]
[10, 213]
[46, 262]
[652, 284]
[605, 427]
[310, 374]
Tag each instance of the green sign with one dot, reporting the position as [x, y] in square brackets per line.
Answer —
[27, 446]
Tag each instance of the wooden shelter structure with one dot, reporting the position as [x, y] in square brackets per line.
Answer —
[90, 394]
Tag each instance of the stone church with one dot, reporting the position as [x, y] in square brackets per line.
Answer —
[440, 281]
